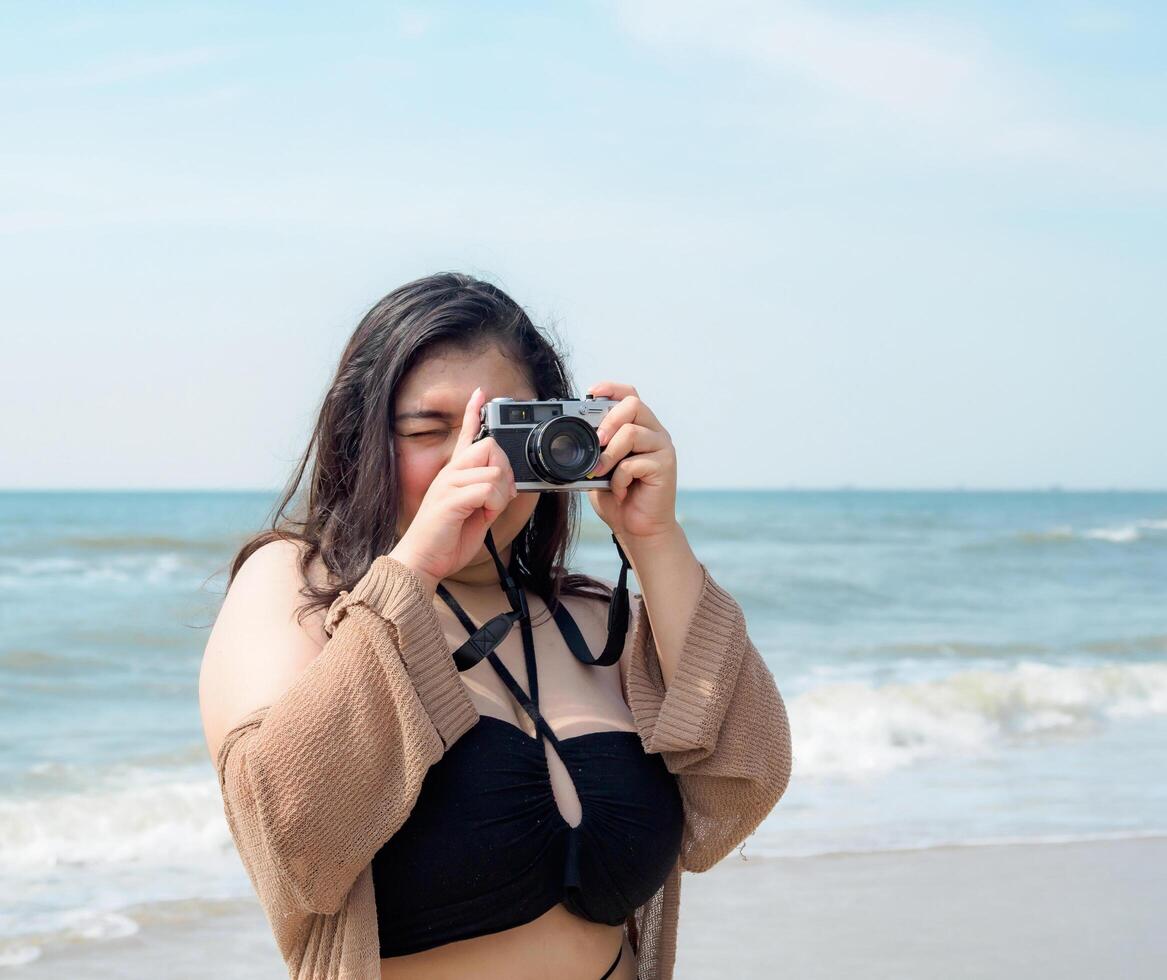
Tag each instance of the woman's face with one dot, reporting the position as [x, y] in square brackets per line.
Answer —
[443, 382]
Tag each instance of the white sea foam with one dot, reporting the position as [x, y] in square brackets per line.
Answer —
[154, 568]
[770, 841]
[847, 728]
[149, 819]
[33, 931]
[1115, 534]
[859, 729]
[98, 924]
[1119, 535]
[18, 954]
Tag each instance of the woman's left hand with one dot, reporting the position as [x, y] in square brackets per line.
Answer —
[642, 502]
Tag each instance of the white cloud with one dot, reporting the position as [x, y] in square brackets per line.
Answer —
[934, 87]
[875, 58]
[125, 69]
[1099, 20]
[49, 192]
[415, 22]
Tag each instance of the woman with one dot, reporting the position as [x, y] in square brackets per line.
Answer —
[414, 797]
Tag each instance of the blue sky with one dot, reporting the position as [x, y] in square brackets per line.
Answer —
[880, 245]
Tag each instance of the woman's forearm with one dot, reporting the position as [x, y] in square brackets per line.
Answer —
[670, 579]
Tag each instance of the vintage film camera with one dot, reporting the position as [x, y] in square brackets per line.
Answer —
[551, 445]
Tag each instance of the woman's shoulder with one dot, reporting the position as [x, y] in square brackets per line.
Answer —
[594, 604]
[258, 643]
[280, 563]
[586, 591]
[592, 584]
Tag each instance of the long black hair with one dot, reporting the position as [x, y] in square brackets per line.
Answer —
[345, 510]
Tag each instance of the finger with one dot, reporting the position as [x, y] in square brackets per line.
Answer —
[484, 452]
[630, 409]
[480, 495]
[481, 514]
[611, 389]
[630, 438]
[633, 468]
[479, 474]
[471, 420]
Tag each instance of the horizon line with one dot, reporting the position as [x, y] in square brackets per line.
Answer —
[786, 488]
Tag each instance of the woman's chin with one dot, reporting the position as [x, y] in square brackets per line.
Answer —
[501, 540]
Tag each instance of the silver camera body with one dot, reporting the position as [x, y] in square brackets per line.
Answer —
[552, 444]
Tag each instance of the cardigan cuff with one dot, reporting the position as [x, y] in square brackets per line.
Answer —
[393, 591]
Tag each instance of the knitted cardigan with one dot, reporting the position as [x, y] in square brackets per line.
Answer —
[316, 782]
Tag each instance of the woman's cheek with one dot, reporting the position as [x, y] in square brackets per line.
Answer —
[524, 505]
[417, 474]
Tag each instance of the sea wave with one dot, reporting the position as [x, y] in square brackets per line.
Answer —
[152, 815]
[149, 818]
[769, 842]
[224, 546]
[136, 568]
[858, 729]
[33, 931]
[1139, 530]
[1155, 643]
[955, 648]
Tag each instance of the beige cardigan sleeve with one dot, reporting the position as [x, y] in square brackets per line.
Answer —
[315, 783]
[720, 726]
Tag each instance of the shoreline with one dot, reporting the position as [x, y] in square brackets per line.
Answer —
[1082, 909]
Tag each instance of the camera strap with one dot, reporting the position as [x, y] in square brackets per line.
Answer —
[484, 639]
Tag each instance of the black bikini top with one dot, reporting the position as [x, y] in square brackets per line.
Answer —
[486, 847]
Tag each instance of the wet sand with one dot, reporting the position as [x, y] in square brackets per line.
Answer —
[1082, 910]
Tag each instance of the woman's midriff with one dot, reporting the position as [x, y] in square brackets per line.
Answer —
[557, 944]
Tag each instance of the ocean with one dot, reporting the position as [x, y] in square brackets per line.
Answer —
[960, 668]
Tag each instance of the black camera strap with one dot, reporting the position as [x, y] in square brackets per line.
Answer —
[483, 640]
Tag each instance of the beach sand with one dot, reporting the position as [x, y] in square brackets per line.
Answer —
[1081, 910]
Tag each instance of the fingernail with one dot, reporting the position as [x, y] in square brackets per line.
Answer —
[602, 436]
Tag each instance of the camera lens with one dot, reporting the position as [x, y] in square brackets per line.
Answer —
[563, 449]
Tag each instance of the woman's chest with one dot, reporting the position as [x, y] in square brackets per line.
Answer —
[574, 698]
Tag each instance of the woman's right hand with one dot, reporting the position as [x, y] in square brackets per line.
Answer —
[466, 496]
